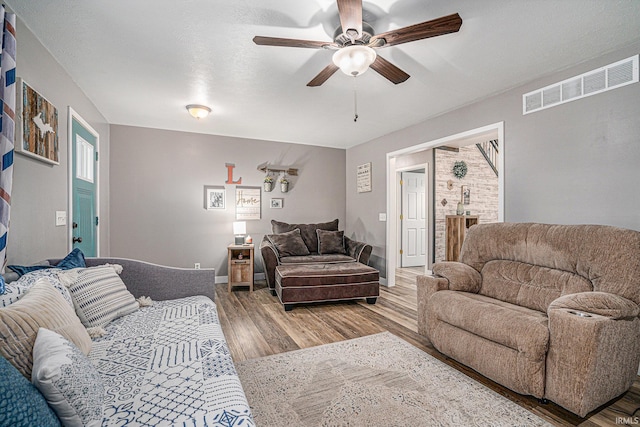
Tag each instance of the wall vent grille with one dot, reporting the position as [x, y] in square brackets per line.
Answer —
[609, 77]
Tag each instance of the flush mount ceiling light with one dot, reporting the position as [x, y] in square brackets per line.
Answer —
[355, 59]
[198, 111]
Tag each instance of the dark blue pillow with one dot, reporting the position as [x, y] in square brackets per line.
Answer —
[2, 288]
[21, 403]
[75, 259]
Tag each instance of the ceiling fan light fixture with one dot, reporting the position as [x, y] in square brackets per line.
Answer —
[198, 111]
[355, 59]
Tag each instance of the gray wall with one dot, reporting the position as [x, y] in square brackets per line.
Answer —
[574, 163]
[157, 186]
[40, 189]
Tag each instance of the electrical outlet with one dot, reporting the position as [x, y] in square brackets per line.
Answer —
[382, 216]
[196, 266]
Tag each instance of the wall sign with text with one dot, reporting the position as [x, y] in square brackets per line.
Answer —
[363, 178]
[248, 203]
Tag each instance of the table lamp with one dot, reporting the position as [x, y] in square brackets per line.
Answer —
[239, 229]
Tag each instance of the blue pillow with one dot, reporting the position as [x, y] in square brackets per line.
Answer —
[2, 288]
[22, 405]
[75, 259]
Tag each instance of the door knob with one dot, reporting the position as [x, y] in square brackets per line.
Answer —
[77, 240]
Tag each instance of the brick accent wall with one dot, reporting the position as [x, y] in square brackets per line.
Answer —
[480, 179]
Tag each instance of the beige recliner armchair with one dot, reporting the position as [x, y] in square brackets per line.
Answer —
[545, 310]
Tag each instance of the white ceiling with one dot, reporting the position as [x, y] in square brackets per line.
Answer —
[142, 61]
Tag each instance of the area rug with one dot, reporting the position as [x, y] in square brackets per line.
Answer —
[378, 380]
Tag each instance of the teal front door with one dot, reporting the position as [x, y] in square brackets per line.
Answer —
[84, 146]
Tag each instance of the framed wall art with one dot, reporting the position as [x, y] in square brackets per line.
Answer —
[277, 203]
[248, 203]
[363, 178]
[466, 195]
[37, 125]
[214, 197]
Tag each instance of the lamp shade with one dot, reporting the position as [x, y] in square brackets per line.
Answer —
[355, 59]
[239, 227]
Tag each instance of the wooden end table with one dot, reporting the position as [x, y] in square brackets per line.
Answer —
[240, 265]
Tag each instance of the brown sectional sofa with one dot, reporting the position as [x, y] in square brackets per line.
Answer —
[545, 310]
[353, 251]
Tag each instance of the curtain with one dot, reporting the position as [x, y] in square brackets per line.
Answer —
[7, 124]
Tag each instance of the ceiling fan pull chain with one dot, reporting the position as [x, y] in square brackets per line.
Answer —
[355, 100]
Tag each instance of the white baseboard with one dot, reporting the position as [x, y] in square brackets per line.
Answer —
[384, 282]
[225, 279]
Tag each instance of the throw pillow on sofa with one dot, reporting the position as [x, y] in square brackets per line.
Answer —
[330, 242]
[68, 380]
[44, 307]
[75, 259]
[99, 295]
[307, 231]
[22, 405]
[289, 244]
[17, 289]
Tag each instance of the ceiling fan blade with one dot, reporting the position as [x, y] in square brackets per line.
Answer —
[324, 75]
[389, 71]
[435, 27]
[350, 16]
[275, 41]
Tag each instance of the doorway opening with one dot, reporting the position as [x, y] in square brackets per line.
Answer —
[395, 165]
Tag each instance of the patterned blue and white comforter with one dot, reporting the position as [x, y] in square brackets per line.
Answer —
[169, 364]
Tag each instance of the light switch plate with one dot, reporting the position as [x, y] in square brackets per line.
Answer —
[382, 217]
[61, 218]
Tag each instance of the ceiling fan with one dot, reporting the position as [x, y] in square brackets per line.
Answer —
[355, 41]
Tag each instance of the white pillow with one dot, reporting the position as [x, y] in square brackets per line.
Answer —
[18, 288]
[68, 380]
[99, 295]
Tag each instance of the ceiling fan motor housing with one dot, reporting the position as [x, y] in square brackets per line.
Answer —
[341, 39]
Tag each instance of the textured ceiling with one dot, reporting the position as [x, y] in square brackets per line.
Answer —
[142, 61]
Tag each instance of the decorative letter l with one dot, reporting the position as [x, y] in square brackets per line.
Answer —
[230, 180]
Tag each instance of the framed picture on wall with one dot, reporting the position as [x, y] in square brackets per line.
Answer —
[363, 178]
[36, 125]
[466, 195]
[276, 203]
[214, 197]
[248, 203]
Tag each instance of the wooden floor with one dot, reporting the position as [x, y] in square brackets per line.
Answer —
[256, 325]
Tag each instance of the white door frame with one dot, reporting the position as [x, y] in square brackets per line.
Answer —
[72, 114]
[392, 190]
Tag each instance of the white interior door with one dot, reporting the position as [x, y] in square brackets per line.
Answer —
[414, 219]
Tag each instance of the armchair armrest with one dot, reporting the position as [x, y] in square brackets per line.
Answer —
[601, 303]
[270, 261]
[426, 287]
[594, 349]
[359, 250]
[461, 277]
